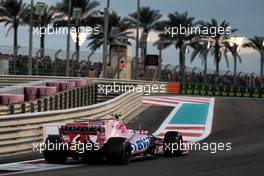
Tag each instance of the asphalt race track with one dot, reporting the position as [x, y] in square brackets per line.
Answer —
[239, 121]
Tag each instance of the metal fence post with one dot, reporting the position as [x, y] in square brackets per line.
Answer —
[81, 98]
[23, 108]
[61, 100]
[74, 98]
[56, 102]
[92, 94]
[12, 109]
[85, 96]
[78, 97]
[45, 104]
[39, 105]
[95, 93]
[70, 99]
[89, 95]
[65, 99]
[51, 103]
[32, 107]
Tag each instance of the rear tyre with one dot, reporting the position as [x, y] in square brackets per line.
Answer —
[172, 144]
[55, 156]
[117, 150]
[92, 156]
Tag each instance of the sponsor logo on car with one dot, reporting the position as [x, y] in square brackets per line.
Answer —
[140, 144]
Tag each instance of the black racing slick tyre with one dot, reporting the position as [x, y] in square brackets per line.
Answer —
[172, 145]
[117, 150]
[56, 155]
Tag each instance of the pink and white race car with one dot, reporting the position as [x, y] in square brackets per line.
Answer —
[105, 139]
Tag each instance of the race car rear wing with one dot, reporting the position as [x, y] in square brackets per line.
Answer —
[51, 129]
[93, 130]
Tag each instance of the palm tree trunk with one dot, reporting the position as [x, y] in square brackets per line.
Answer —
[182, 64]
[77, 47]
[144, 50]
[262, 67]
[217, 60]
[160, 62]
[235, 69]
[205, 70]
[89, 58]
[217, 68]
[217, 72]
[110, 56]
[42, 45]
[15, 49]
[145, 53]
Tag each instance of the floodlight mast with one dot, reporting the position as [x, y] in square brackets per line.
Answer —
[30, 39]
[105, 48]
[68, 39]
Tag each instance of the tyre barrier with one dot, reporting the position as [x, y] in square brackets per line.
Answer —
[54, 84]
[47, 91]
[7, 99]
[10, 80]
[80, 83]
[19, 132]
[221, 90]
[46, 101]
[67, 85]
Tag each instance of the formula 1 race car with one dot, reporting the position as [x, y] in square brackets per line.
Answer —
[105, 139]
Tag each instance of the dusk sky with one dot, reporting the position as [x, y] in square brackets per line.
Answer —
[244, 15]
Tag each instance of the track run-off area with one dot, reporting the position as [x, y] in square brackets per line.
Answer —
[237, 121]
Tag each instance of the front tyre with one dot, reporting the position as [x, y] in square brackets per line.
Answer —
[172, 145]
[117, 150]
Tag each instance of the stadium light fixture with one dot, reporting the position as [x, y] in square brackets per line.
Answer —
[40, 8]
[238, 41]
[76, 13]
[208, 45]
[82, 37]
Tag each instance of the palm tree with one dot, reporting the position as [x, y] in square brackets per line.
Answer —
[233, 49]
[202, 50]
[179, 40]
[42, 22]
[218, 42]
[86, 19]
[115, 21]
[12, 13]
[160, 45]
[46, 19]
[121, 36]
[257, 43]
[148, 20]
